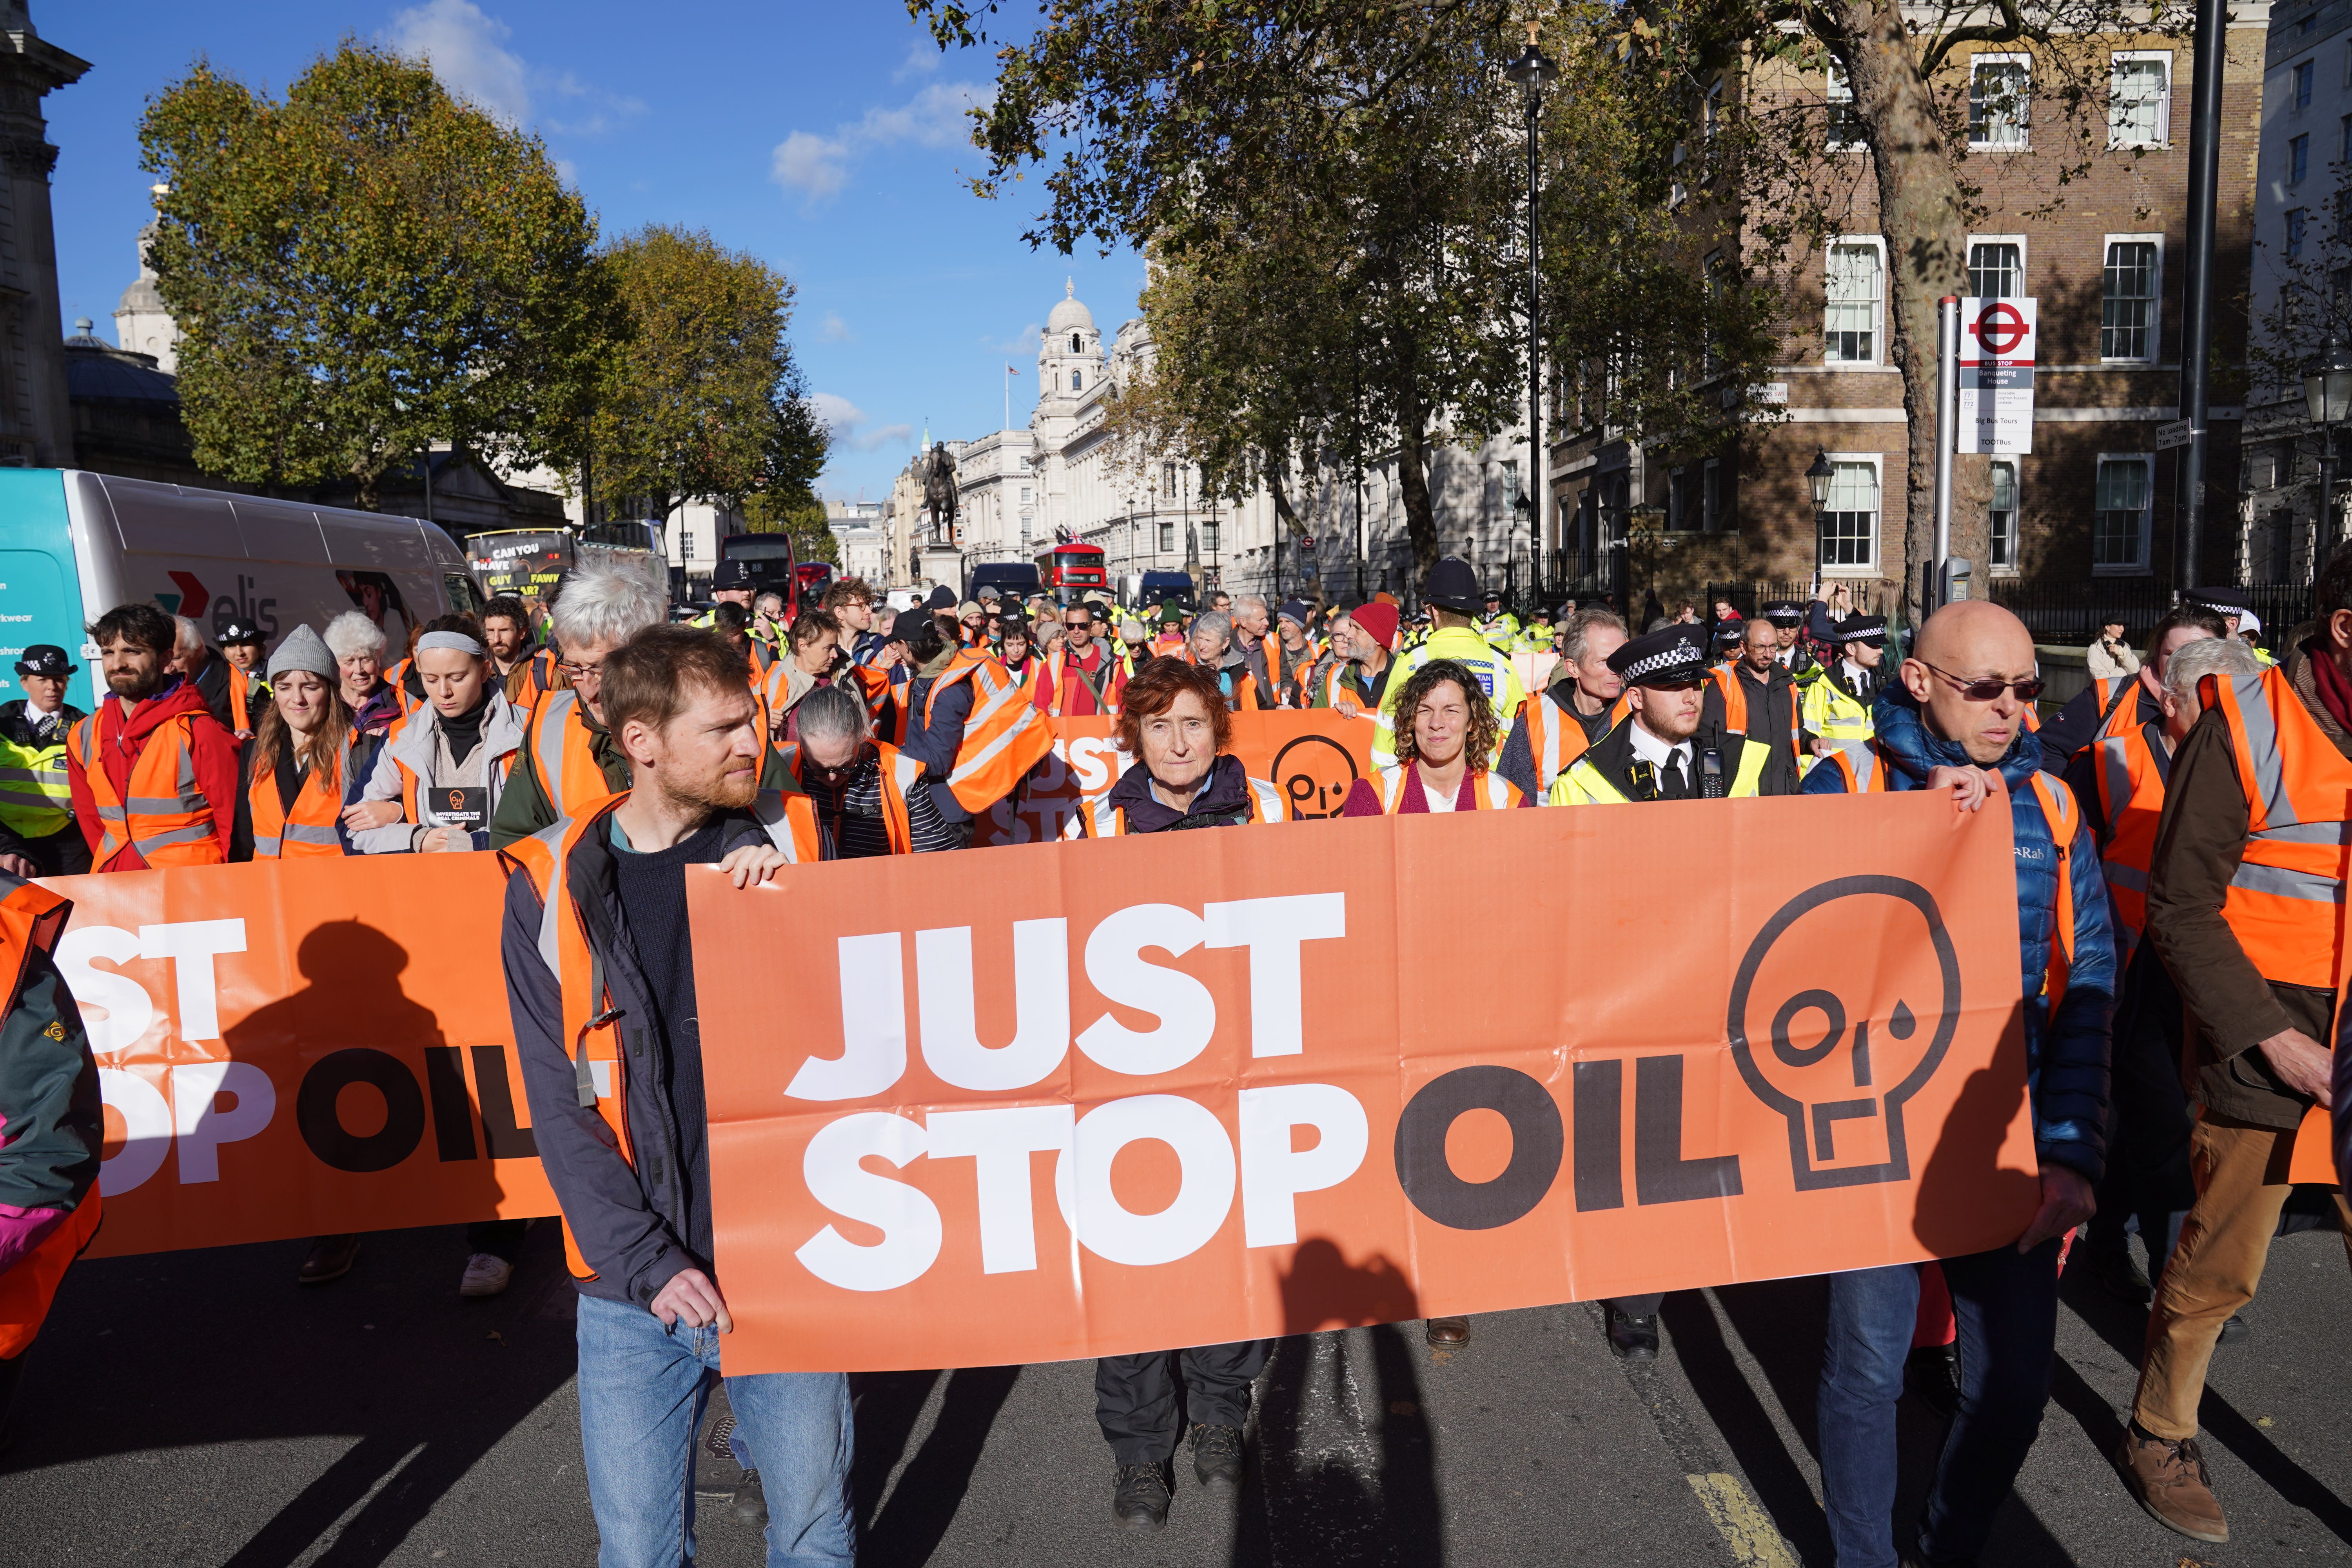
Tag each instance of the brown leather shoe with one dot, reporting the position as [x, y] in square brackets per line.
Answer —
[1448, 1333]
[330, 1257]
[2170, 1481]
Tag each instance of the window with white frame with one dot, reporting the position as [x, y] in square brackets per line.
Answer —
[1209, 536]
[2119, 521]
[1844, 125]
[1167, 536]
[1849, 523]
[1999, 96]
[2001, 518]
[1854, 283]
[2127, 325]
[1713, 107]
[1996, 266]
[1710, 495]
[2139, 98]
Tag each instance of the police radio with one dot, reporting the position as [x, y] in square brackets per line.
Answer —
[1710, 774]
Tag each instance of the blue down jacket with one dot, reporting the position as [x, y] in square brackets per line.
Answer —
[2065, 1056]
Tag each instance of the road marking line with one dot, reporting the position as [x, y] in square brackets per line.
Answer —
[1746, 1527]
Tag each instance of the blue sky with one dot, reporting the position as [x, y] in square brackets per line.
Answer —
[826, 139]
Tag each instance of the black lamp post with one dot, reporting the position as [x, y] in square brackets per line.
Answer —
[1526, 511]
[1819, 476]
[2328, 397]
[1532, 70]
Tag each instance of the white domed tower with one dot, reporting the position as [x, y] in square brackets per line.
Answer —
[1069, 359]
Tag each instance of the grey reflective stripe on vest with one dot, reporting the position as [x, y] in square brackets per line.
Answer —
[1865, 767]
[2263, 746]
[1104, 816]
[1269, 800]
[1547, 766]
[965, 767]
[908, 772]
[550, 951]
[2129, 878]
[777, 823]
[1857, 747]
[2114, 768]
[2331, 833]
[548, 754]
[2284, 882]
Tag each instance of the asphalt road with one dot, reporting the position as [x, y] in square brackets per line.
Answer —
[201, 1408]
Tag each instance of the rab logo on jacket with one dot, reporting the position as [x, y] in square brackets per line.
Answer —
[1840, 1063]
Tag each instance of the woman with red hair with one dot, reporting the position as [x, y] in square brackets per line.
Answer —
[1174, 728]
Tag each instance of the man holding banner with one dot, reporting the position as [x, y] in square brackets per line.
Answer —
[1959, 723]
[621, 1128]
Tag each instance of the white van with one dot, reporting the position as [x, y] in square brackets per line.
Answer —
[75, 544]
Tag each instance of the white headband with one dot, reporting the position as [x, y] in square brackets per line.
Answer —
[457, 640]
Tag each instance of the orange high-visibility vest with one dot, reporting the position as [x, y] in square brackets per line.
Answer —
[1555, 738]
[2285, 903]
[1030, 680]
[1735, 706]
[1004, 737]
[1097, 818]
[397, 678]
[1488, 791]
[241, 688]
[2131, 796]
[558, 742]
[1172, 645]
[167, 817]
[1114, 683]
[590, 1027]
[900, 772]
[32, 917]
[310, 828]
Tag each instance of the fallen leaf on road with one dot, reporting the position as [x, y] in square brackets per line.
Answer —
[497, 1336]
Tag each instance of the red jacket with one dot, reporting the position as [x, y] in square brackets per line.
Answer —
[121, 741]
[1076, 700]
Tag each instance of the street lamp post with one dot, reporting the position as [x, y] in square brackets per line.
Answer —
[2327, 397]
[1526, 511]
[1532, 70]
[1819, 476]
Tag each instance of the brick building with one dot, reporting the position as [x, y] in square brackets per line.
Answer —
[2100, 249]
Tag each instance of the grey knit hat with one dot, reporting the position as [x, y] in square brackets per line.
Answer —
[304, 649]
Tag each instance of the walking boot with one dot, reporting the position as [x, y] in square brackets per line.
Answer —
[2171, 1482]
[1139, 1496]
[1634, 1339]
[1217, 1456]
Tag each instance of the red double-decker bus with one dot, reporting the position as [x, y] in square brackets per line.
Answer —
[1068, 572]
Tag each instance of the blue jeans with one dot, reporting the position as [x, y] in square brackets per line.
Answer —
[643, 1388]
[2006, 1304]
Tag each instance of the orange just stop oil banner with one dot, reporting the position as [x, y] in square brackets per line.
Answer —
[299, 1048]
[1168, 1091]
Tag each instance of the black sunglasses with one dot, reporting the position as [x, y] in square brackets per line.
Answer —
[1990, 688]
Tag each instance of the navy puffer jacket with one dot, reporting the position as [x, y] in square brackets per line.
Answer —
[2065, 1056]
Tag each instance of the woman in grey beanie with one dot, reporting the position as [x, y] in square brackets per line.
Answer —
[299, 769]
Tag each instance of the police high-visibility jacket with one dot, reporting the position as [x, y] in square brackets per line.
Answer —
[1488, 792]
[2286, 902]
[1004, 736]
[50, 1103]
[167, 816]
[35, 793]
[591, 1029]
[900, 772]
[1835, 713]
[247, 694]
[310, 828]
[1588, 780]
[2130, 774]
[1555, 738]
[1494, 672]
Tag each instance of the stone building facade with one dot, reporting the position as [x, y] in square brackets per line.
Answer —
[36, 413]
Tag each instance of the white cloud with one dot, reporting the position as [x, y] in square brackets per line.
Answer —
[462, 46]
[847, 422]
[834, 329]
[818, 166]
[923, 57]
[1024, 341]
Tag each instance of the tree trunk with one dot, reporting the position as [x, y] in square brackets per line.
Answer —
[1413, 479]
[1922, 217]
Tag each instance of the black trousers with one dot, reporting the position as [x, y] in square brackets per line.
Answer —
[64, 853]
[2148, 1116]
[1135, 1395]
[1638, 1306]
[501, 1238]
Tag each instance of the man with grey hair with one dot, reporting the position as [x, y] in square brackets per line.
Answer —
[568, 760]
[1574, 711]
[1252, 626]
[194, 659]
[870, 795]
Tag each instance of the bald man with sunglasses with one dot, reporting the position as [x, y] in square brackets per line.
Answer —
[1956, 721]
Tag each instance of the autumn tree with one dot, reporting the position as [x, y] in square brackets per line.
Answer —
[699, 396]
[366, 268]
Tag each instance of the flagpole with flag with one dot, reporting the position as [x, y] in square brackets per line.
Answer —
[1008, 373]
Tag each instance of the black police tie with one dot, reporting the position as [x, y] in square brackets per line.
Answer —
[1678, 784]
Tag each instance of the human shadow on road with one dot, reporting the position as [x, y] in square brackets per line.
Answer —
[1366, 1494]
[908, 1527]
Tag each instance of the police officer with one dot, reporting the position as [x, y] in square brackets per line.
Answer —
[1663, 752]
[241, 644]
[1788, 618]
[1838, 705]
[1501, 627]
[36, 821]
[731, 583]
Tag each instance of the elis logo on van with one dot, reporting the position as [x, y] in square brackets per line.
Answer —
[191, 601]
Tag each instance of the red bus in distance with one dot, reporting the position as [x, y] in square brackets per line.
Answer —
[1068, 572]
